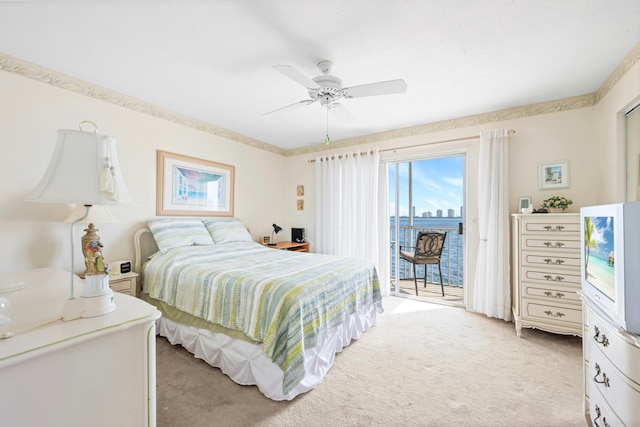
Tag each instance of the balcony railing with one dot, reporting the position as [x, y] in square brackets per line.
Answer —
[451, 261]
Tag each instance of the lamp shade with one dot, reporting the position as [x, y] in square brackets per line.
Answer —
[84, 169]
[277, 228]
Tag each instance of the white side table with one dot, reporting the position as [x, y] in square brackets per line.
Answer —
[98, 371]
[124, 283]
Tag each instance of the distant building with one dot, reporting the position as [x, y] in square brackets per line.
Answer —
[451, 213]
[424, 215]
[439, 213]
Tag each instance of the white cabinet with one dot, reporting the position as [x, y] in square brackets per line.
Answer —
[96, 371]
[611, 371]
[545, 272]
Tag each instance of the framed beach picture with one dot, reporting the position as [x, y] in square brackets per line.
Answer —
[188, 186]
[553, 175]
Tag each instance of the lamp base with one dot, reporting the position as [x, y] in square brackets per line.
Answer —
[96, 300]
[98, 306]
[77, 308]
[271, 244]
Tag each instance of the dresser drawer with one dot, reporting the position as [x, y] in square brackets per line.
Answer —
[617, 391]
[551, 275]
[613, 345]
[538, 259]
[549, 242]
[552, 226]
[600, 412]
[555, 312]
[552, 292]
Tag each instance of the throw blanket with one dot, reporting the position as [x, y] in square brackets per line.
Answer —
[288, 301]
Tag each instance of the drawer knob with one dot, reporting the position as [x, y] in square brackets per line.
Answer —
[600, 340]
[553, 279]
[604, 419]
[552, 314]
[604, 380]
[557, 295]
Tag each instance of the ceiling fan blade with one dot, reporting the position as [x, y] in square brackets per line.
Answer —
[291, 106]
[296, 75]
[342, 114]
[373, 89]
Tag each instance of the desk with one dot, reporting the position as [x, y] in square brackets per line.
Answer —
[96, 371]
[291, 246]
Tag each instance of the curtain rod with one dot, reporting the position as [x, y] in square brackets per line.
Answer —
[511, 132]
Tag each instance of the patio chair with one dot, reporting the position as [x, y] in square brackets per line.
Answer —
[427, 251]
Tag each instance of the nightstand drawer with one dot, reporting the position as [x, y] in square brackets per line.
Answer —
[124, 283]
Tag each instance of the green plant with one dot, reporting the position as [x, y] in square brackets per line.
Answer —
[557, 202]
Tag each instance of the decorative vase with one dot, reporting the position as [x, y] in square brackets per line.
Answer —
[555, 210]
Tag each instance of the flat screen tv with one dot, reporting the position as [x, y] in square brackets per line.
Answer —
[610, 261]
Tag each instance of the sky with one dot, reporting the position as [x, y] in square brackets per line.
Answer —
[603, 234]
[437, 184]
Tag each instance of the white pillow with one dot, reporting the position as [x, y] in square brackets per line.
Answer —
[227, 230]
[172, 233]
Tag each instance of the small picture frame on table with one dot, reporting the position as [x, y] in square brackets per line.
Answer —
[525, 205]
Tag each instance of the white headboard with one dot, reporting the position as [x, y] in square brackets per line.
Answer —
[145, 246]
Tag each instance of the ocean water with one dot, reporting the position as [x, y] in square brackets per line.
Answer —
[601, 275]
[452, 256]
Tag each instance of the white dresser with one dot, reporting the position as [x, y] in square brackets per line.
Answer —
[545, 271]
[611, 371]
[88, 372]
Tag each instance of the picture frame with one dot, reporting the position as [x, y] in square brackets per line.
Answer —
[525, 205]
[188, 186]
[553, 175]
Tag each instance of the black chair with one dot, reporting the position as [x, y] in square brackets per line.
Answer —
[427, 251]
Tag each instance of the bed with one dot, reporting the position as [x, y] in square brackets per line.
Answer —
[265, 317]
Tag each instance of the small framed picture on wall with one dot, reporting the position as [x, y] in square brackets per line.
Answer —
[553, 175]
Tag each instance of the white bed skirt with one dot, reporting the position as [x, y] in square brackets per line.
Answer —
[245, 364]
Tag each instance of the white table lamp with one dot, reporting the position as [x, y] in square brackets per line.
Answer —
[84, 170]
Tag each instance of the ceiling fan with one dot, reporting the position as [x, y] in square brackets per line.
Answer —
[327, 89]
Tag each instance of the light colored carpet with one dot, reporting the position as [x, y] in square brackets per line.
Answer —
[422, 365]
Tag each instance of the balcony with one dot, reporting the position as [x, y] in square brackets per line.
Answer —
[452, 263]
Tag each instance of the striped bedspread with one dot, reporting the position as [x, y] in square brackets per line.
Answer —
[286, 300]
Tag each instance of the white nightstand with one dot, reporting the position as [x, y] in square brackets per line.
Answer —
[124, 283]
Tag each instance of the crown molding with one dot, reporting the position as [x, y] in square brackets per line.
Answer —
[44, 75]
[53, 78]
[629, 61]
[565, 104]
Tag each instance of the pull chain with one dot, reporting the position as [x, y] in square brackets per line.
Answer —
[327, 140]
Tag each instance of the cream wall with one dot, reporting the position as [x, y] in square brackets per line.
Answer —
[31, 113]
[541, 138]
[610, 133]
[265, 187]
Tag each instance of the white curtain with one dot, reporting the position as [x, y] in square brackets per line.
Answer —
[347, 207]
[492, 290]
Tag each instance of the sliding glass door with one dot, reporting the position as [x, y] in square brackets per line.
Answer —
[428, 194]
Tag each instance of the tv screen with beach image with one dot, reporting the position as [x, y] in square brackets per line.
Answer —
[599, 254]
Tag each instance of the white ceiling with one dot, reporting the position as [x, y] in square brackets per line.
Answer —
[212, 60]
